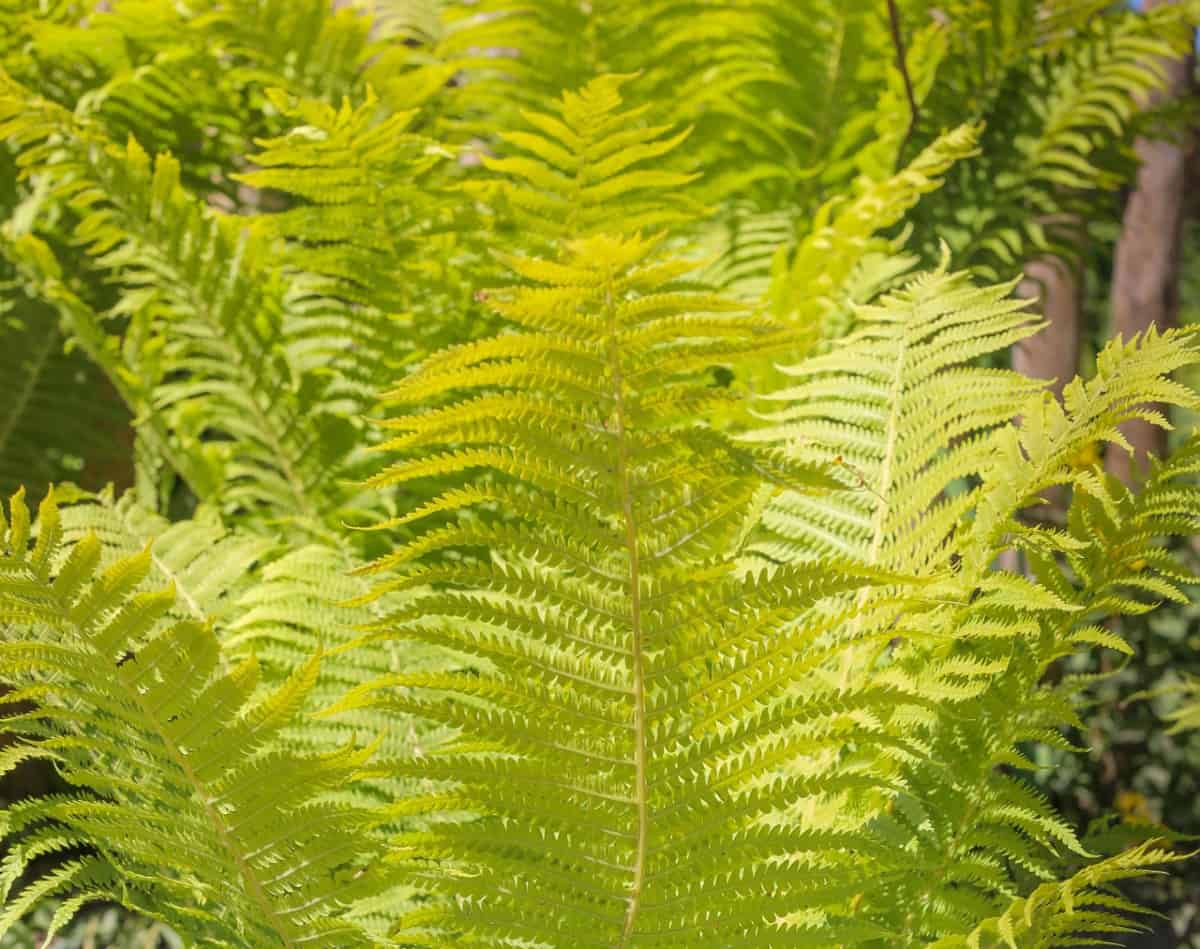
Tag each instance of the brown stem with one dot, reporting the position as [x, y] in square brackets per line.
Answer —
[914, 111]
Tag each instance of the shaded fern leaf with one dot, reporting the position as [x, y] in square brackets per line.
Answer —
[207, 350]
[370, 233]
[1061, 103]
[59, 419]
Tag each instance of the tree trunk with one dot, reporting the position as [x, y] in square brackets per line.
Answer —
[1053, 354]
[1145, 283]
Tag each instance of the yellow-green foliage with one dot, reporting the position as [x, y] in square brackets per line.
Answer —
[567, 507]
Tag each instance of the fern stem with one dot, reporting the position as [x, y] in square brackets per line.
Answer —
[883, 492]
[635, 622]
[914, 112]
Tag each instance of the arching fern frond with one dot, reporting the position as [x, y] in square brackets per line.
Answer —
[620, 645]
[964, 828]
[1087, 906]
[809, 280]
[178, 758]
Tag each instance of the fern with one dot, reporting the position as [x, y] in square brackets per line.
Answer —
[368, 209]
[166, 754]
[888, 407]
[43, 380]
[645, 647]
[268, 605]
[139, 221]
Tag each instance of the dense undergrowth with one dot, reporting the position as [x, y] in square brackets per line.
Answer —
[544, 474]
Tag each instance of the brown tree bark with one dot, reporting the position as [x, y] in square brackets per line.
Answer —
[1052, 354]
[1145, 283]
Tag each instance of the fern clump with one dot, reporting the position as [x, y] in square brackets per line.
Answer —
[568, 492]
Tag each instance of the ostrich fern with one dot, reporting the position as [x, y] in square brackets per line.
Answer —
[665, 622]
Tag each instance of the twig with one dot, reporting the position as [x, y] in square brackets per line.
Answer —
[914, 111]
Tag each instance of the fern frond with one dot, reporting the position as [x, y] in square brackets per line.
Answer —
[904, 413]
[177, 759]
[634, 702]
[207, 349]
[1087, 906]
[274, 607]
[966, 827]
[191, 79]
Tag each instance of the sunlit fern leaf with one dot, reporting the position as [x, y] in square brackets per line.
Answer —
[1044, 451]
[364, 188]
[900, 407]
[572, 171]
[607, 616]
[177, 759]
[626, 738]
[983, 637]
[1088, 906]
[306, 602]
[208, 566]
